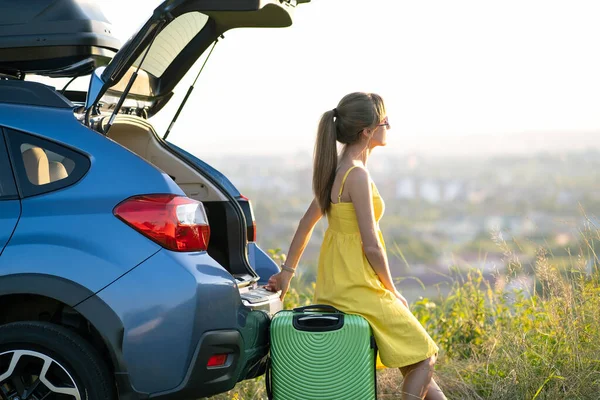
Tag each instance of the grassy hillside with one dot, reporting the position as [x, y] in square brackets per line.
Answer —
[538, 343]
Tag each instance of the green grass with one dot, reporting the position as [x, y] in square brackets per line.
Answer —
[536, 344]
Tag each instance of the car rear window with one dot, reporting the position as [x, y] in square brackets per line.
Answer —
[171, 41]
[43, 166]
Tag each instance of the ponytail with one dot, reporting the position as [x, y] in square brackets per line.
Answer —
[325, 160]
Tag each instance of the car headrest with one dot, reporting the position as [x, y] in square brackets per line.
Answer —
[37, 166]
[57, 171]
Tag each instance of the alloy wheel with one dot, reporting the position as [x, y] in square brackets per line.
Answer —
[31, 375]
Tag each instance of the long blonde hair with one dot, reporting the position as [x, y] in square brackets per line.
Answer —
[344, 124]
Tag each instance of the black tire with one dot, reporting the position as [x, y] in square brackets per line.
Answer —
[33, 343]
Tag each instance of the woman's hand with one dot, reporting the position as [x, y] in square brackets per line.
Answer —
[402, 299]
[280, 281]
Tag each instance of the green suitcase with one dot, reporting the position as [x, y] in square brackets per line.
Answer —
[320, 353]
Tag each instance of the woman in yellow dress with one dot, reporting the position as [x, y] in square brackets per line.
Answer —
[353, 273]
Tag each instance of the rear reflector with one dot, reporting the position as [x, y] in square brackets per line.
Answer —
[177, 223]
[217, 360]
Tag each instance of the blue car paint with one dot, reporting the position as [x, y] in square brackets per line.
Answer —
[166, 304]
[9, 215]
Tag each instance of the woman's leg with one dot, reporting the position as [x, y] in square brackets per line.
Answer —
[418, 383]
[434, 392]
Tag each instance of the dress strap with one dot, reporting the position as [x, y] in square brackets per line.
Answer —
[344, 181]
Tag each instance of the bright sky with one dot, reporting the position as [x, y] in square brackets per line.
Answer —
[445, 68]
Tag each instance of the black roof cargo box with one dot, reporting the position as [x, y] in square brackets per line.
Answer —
[60, 38]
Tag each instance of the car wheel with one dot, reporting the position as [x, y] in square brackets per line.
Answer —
[39, 360]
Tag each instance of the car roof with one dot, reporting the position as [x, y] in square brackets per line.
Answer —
[31, 94]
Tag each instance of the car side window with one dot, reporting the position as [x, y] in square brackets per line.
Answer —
[8, 190]
[43, 166]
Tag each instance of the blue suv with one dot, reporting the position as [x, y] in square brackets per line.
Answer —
[128, 267]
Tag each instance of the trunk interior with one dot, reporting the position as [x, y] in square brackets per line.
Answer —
[137, 135]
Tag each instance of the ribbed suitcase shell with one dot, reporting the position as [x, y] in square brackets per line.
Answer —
[322, 365]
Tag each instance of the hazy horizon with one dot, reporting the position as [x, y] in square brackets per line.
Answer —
[509, 144]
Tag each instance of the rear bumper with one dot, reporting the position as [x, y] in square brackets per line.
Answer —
[247, 351]
[247, 359]
[202, 381]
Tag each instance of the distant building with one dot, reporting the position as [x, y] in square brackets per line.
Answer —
[430, 190]
[406, 188]
[453, 190]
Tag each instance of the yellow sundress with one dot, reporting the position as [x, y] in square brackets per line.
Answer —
[346, 280]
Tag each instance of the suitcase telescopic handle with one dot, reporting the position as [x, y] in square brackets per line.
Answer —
[318, 307]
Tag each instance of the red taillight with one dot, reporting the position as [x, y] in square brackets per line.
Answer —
[250, 229]
[252, 232]
[176, 223]
[217, 360]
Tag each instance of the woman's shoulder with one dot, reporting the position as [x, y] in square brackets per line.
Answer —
[358, 175]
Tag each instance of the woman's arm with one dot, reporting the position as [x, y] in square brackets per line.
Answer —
[303, 233]
[281, 280]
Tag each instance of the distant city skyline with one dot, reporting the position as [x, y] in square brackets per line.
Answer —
[448, 72]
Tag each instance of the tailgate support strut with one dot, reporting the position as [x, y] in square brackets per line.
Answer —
[187, 95]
